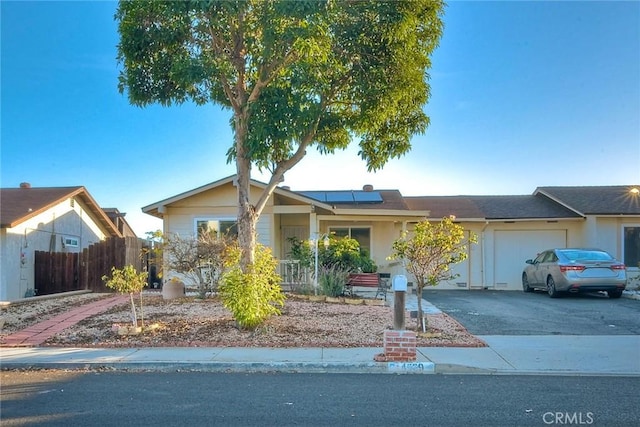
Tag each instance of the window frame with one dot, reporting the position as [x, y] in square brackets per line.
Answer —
[219, 219]
[622, 244]
[71, 242]
[332, 229]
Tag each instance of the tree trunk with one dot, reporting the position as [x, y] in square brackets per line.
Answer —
[247, 217]
[134, 318]
[419, 288]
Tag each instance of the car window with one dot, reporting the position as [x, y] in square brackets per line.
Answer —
[539, 258]
[585, 255]
[550, 257]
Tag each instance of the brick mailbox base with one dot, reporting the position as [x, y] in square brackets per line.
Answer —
[399, 346]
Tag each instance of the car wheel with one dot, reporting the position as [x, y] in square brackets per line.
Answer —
[525, 284]
[615, 294]
[551, 288]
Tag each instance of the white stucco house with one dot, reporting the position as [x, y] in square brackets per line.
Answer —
[52, 219]
[511, 229]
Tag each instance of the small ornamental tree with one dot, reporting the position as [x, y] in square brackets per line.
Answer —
[430, 251]
[127, 281]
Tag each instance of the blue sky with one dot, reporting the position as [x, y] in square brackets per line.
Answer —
[524, 94]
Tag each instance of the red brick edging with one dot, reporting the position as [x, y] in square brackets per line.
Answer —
[36, 334]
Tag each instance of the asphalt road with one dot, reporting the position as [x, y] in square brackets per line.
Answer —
[517, 313]
[60, 398]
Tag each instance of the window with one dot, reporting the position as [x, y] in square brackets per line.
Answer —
[539, 259]
[218, 227]
[70, 242]
[361, 234]
[631, 246]
[550, 257]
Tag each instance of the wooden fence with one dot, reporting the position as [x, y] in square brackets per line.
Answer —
[57, 272]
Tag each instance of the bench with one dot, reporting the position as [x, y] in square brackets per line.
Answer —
[367, 280]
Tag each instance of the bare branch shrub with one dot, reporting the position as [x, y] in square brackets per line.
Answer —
[199, 261]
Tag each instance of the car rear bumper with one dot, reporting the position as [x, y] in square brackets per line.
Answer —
[576, 287]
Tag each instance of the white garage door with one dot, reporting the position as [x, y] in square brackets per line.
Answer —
[513, 248]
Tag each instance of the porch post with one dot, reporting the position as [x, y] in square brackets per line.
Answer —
[313, 224]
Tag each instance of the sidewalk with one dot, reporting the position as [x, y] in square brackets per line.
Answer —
[539, 355]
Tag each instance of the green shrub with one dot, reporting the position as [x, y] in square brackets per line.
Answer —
[332, 280]
[343, 253]
[253, 296]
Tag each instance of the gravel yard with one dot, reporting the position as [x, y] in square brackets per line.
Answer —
[193, 322]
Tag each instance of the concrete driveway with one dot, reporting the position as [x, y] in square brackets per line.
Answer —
[486, 312]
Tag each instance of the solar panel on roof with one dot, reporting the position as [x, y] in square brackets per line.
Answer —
[367, 196]
[348, 196]
[320, 196]
[340, 197]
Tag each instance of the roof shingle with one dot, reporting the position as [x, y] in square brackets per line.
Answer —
[491, 207]
[597, 200]
[20, 204]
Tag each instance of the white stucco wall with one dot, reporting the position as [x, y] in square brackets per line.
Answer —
[468, 272]
[220, 203]
[44, 232]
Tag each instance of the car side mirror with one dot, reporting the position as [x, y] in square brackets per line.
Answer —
[529, 261]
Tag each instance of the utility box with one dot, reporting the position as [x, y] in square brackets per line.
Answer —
[400, 283]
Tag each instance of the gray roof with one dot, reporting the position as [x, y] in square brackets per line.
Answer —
[601, 200]
[521, 207]
[491, 207]
[545, 203]
[444, 206]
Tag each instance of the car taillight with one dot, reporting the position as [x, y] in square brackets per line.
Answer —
[565, 268]
[618, 267]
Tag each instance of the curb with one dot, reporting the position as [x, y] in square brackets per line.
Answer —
[388, 368]
[452, 369]
[397, 368]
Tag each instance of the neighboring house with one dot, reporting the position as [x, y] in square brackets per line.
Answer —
[117, 218]
[53, 219]
[511, 229]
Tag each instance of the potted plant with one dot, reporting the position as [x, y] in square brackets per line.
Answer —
[174, 288]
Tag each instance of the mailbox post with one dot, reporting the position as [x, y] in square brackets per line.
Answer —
[399, 293]
[399, 344]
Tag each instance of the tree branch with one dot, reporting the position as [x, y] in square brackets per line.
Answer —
[281, 167]
[269, 72]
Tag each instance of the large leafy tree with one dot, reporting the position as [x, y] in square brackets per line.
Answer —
[295, 74]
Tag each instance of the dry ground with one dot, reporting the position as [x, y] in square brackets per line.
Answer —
[193, 322]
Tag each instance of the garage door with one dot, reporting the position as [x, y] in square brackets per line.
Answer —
[513, 248]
